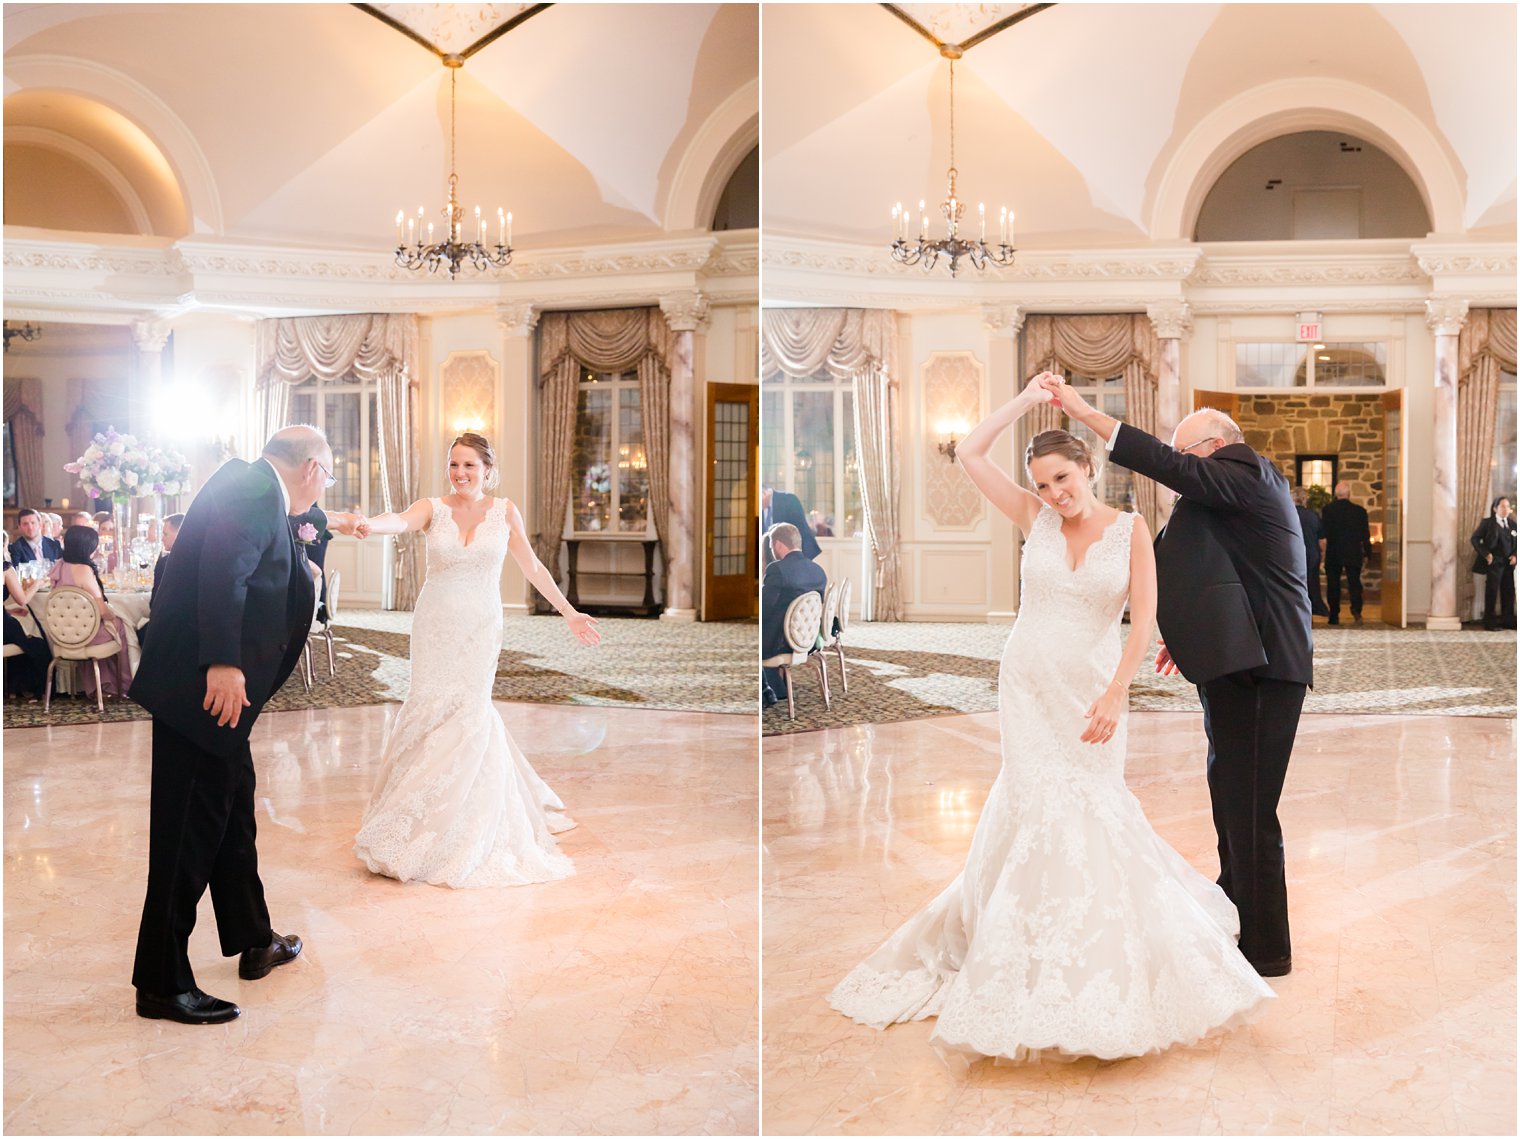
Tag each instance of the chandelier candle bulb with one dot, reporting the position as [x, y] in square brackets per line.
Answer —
[399, 215]
[480, 233]
[981, 213]
[923, 220]
[509, 227]
[501, 227]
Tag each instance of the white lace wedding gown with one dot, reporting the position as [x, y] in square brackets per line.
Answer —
[457, 803]
[1073, 928]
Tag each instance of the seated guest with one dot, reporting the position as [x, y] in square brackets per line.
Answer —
[171, 531]
[779, 506]
[76, 568]
[822, 527]
[791, 575]
[52, 526]
[32, 545]
[84, 518]
[27, 672]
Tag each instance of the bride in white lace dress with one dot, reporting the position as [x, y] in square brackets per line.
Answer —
[457, 803]
[1074, 929]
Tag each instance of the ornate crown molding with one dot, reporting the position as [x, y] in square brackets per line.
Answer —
[686, 311]
[1003, 319]
[518, 319]
[1445, 316]
[1172, 320]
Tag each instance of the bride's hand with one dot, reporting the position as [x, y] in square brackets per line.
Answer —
[1103, 715]
[1040, 390]
[583, 627]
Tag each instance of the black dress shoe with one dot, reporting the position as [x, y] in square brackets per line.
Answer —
[1279, 968]
[256, 963]
[193, 1007]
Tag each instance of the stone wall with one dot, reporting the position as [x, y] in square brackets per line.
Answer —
[1350, 427]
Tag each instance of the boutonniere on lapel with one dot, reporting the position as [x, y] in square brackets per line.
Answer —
[306, 534]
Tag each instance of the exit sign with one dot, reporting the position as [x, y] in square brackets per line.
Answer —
[1308, 331]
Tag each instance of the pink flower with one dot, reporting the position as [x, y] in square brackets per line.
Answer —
[306, 533]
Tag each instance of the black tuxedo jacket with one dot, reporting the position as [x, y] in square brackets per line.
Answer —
[788, 508]
[1231, 584]
[783, 582]
[1347, 535]
[1493, 537]
[21, 550]
[235, 591]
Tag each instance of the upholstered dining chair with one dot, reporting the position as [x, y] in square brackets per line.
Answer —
[71, 621]
[801, 624]
[324, 629]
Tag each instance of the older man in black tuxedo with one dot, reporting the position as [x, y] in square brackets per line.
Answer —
[780, 506]
[787, 578]
[33, 545]
[1233, 609]
[230, 620]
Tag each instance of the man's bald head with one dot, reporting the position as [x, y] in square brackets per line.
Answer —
[293, 447]
[1342, 490]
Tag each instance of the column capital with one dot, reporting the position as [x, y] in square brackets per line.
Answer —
[150, 334]
[518, 319]
[1003, 319]
[686, 311]
[1445, 316]
[1172, 320]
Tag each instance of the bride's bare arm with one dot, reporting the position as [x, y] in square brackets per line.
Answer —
[417, 516]
[521, 549]
[1103, 716]
[1000, 488]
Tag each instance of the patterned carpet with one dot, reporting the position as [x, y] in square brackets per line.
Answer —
[910, 671]
[696, 667]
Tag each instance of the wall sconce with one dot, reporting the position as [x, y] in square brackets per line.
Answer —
[950, 432]
[476, 424]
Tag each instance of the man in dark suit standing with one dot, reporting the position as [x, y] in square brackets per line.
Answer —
[787, 578]
[1308, 522]
[171, 532]
[33, 545]
[1348, 543]
[1233, 610]
[779, 506]
[1494, 541]
[229, 623]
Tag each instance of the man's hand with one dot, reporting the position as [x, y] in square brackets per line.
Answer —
[1164, 663]
[1070, 400]
[353, 525]
[226, 694]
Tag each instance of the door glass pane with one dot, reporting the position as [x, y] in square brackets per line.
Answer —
[772, 440]
[813, 450]
[730, 508]
[592, 486]
[303, 408]
[633, 466]
[376, 495]
[341, 422]
[1270, 365]
[1359, 365]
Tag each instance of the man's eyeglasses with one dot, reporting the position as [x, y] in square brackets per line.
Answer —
[329, 475]
[1184, 450]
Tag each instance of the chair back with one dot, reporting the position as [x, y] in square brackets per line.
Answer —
[334, 580]
[830, 608]
[846, 588]
[802, 620]
[70, 619]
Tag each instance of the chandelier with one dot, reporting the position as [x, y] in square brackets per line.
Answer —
[952, 246]
[415, 247]
[28, 331]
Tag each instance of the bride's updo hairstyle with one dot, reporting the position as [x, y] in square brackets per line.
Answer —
[482, 447]
[1065, 444]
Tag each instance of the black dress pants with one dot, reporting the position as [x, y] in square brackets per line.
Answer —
[1499, 598]
[1251, 723]
[1353, 571]
[1316, 602]
[200, 833]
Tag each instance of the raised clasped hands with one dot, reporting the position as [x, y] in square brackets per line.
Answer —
[1061, 393]
[354, 525]
[583, 627]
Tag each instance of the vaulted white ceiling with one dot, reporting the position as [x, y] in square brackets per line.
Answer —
[312, 124]
[1074, 115]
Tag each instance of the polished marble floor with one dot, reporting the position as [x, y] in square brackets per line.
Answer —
[1398, 1017]
[620, 1001]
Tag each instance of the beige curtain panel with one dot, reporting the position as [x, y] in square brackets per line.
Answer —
[1101, 346]
[611, 340]
[23, 411]
[1485, 347]
[377, 348]
[859, 345]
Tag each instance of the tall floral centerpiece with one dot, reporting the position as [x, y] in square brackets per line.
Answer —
[117, 468]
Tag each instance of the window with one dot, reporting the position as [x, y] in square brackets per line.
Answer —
[10, 469]
[1116, 486]
[348, 412]
[609, 467]
[808, 448]
[1277, 364]
[1502, 479]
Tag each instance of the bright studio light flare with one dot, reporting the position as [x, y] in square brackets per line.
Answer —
[183, 412]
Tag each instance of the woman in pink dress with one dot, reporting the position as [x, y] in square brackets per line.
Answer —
[76, 568]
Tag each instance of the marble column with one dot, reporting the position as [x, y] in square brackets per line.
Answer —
[687, 314]
[1172, 320]
[1004, 322]
[1445, 317]
[516, 460]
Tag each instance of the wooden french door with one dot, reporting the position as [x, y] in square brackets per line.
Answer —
[1394, 543]
[730, 581]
